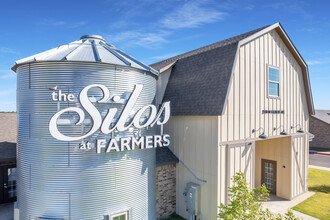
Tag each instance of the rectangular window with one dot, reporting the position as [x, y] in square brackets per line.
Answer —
[120, 216]
[273, 82]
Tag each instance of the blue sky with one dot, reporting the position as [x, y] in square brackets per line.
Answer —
[156, 30]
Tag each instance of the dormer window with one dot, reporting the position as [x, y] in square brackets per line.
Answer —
[273, 82]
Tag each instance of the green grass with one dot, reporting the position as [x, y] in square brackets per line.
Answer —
[174, 217]
[320, 149]
[319, 204]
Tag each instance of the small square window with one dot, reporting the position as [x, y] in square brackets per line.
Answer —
[273, 82]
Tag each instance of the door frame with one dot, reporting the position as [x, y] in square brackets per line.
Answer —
[274, 162]
[4, 183]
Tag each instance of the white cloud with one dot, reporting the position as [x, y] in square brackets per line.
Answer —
[77, 24]
[191, 15]
[139, 38]
[7, 74]
[309, 29]
[319, 61]
[6, 92]
[249, 7]
[293, 6]
[7, 50]
[55, 23]
[165, 56]
[155, 59]
[314, 62]
[178, 15]
[7, 105]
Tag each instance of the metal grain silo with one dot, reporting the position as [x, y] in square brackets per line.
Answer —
[57, 180]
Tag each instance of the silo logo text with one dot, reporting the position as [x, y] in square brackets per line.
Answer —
[109, 123]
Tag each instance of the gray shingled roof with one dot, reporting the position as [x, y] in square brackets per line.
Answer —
[200, 78]
[323, 115]
[8, 136]
[165, 156]
[222, 43]
[8, 127]
[7, 153]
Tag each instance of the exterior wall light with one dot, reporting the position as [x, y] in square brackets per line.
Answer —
[263, 136]
[300, 130]
[282, 132]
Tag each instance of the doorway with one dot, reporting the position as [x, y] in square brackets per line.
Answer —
[8, 183]
[268, 176]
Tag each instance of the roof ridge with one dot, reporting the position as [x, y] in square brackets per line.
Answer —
[158, 65]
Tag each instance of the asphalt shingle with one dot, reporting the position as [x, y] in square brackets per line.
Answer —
[8, 136]
[323, 115]
[199, 80]
[164, 156]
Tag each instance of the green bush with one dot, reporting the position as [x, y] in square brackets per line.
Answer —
[245, 204]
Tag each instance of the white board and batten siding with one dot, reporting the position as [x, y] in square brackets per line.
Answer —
[248, 97]
[248, 93]
[299, 164]
[194, 141]
[232, 159]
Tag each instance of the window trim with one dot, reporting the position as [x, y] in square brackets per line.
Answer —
[119, 214]
[268, 81]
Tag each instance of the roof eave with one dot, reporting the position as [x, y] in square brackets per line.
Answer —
[14, 68]
[167, 67]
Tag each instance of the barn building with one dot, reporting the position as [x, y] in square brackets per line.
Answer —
[242, 104]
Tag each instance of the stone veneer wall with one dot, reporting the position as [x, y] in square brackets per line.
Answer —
[321, 131]
[165, 190]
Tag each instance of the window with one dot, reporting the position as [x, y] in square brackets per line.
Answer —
[120, 216]
[273, 82]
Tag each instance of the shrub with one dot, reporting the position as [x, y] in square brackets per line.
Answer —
[245, 203]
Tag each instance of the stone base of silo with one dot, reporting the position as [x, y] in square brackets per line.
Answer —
[165, 190]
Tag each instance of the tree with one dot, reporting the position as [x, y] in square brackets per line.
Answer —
[245, 203]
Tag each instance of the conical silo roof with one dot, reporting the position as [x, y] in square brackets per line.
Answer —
[90, 48]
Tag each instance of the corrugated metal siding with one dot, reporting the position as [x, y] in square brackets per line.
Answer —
[248, 92]
[194, 140]
[56, 179]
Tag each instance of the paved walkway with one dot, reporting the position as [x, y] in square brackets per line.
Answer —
[279, 205]
[7, 211]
